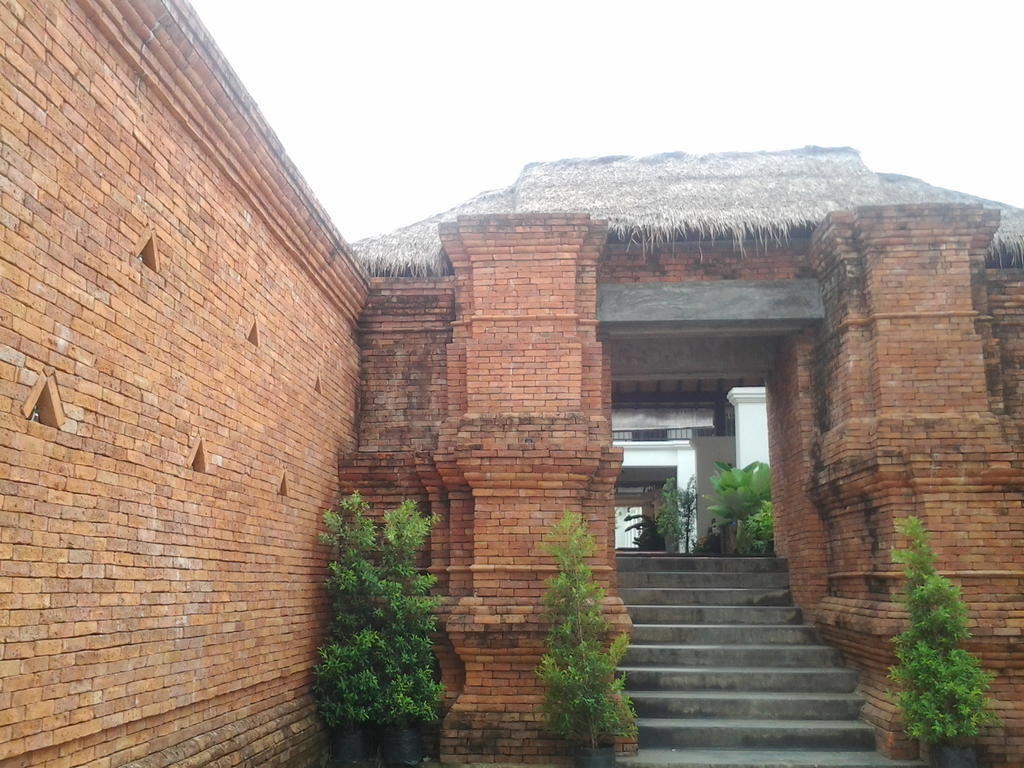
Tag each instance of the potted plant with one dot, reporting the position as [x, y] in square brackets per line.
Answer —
[710, 543]
[346, 689]
[647, 538]
[377, 666]
[738, 493]
[409, 691]
[677, 515]
[943, 697]
[584, 701]
[345, 686]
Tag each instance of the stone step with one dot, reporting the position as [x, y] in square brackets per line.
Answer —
[761, 758]
[704, 596]
[628, 563]
[724, 675]
[797, 679]
[699, 579]
[747, 704]
[755, 734]
[732, 655]
[716, 634]
[715, 614]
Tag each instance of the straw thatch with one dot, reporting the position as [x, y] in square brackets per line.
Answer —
[737, 195]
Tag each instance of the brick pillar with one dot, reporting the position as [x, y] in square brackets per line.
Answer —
[527, 436]
[910, 420]
[799, 534]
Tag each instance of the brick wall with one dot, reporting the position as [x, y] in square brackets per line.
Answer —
[403, 335]
[403, 332]
[154, 612]
[910, 417]
[172, 426]
[697, 260]
[1006, 306]
[799, 535]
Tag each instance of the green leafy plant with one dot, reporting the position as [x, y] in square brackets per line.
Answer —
[677, 512]
[409, 691]
[377, 664]
[345, 684]
[943, 697]
[647, 538]
[353, 578]
[583, 700]
[739, 493]
[756, 534]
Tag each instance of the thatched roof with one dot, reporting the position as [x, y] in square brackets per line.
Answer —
[737, 195]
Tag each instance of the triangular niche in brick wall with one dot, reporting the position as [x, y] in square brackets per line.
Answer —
[282, 486]
[197, 455]
[43, 403]
[254, 334]
[146, 253]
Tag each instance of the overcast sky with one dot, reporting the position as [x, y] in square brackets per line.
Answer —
[395, 111]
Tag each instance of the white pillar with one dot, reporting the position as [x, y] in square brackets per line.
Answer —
[750, 404]
[678, 453]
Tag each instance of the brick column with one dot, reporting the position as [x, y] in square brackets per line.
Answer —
[910, 420]
[527, 436]
[799, 535]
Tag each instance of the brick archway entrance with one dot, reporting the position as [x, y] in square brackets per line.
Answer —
[486, 395]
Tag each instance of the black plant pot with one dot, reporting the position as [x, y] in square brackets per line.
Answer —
[349, 747]
[401, 747]
[602, 757]
[952, 757]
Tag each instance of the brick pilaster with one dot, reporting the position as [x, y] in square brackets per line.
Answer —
[527, 436]
[910, 419]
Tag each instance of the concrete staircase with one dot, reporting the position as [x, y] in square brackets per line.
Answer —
[724, 674]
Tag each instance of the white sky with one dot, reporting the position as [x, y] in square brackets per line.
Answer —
[394, 111]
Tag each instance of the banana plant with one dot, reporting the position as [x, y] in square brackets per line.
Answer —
[739, 493]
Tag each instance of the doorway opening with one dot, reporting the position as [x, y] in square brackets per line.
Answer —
[676, 430]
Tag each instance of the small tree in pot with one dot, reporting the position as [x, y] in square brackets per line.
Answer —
[345, 685]
[943, 700]
[346, 691]
[409, 691]
[583, 700]
[677, 515]
[377, 667]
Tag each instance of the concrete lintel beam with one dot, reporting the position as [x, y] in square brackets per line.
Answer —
[728, 306]
[670, 357]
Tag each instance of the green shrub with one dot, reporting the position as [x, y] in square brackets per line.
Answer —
[677, 512]
[409, 691]
[353, 578]
[739, 493]
[345, 682]
[943, 697]
[583, 700]
[756, 535]
[647, 538]
[377, 664]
